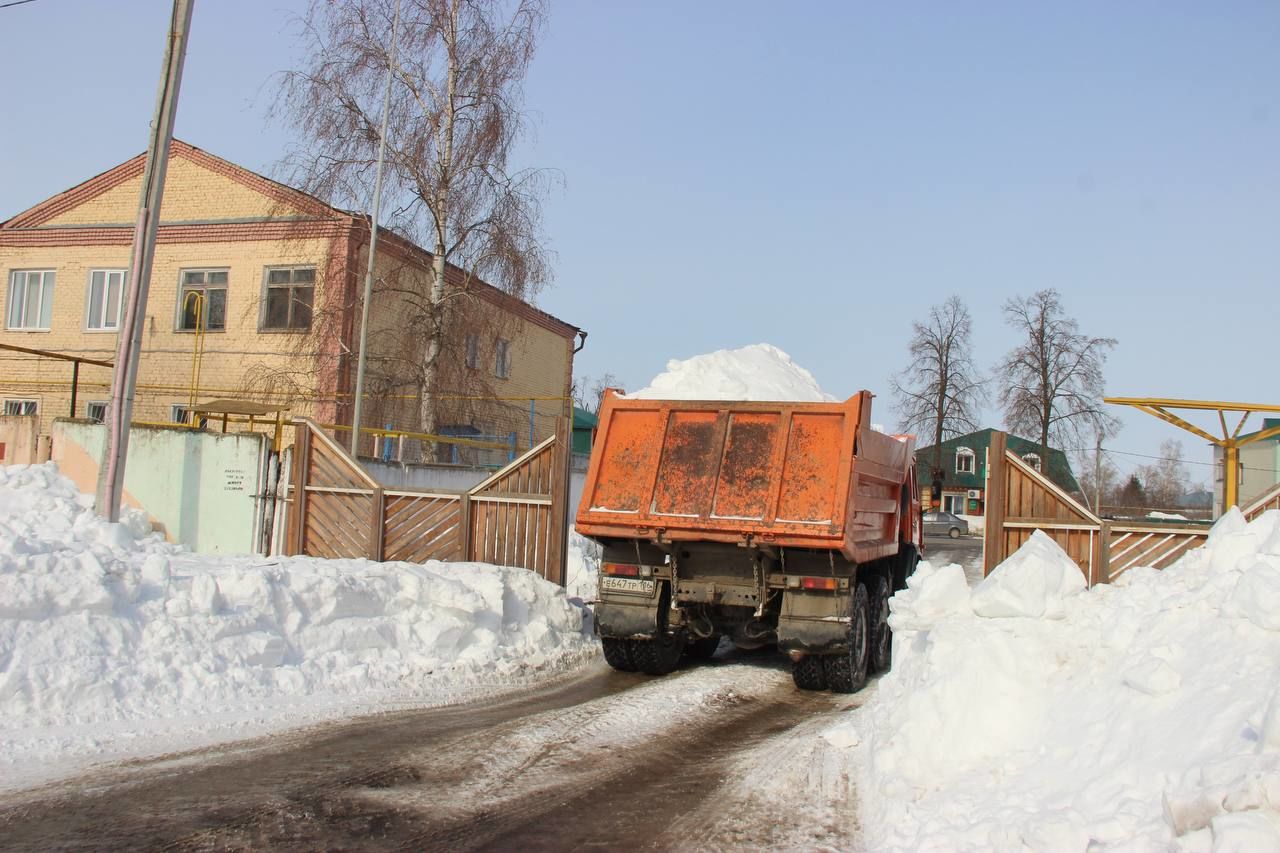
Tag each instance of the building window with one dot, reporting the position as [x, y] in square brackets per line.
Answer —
[473, 351]
[96, 411]
[30, 299]
[106, 298]
[290, 293]
[964, 460]
[953, 504]
[21, 407]
[1032, 459]
[202, 300]
[502, 359]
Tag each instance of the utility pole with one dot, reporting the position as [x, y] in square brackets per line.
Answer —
[373, 242]
[125, 374]
[1097, 478]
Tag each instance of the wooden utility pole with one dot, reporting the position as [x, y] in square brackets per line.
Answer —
[125, 375]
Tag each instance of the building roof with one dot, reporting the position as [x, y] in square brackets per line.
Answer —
[29, 226]
[1056, 466]
[582, 419]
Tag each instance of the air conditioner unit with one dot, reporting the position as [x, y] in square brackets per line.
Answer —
[975, 493]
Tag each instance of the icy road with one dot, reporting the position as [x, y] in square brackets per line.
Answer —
[718, 756]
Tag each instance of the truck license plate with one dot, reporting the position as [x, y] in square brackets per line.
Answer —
[630, 586]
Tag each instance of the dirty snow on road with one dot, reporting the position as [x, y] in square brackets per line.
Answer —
[114, 643]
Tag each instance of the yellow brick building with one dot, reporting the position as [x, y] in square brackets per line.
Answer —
[256, 294]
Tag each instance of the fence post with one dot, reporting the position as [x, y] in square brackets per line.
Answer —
[993, 535]
[301, 464]
[560, 500]
[1102, 565]
[377, 539]
[464, 512]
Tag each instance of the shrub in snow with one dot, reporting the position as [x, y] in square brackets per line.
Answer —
[1140, 715]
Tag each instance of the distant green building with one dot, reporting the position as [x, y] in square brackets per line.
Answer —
[964, 475]
[584, 425]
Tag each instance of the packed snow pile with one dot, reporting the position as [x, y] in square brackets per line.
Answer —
[1030, 713]
[582, 567]
[106, 628]
[760, 372]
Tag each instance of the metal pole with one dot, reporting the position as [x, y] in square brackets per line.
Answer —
[75, 385]
[125, 373]
[373, 241]
[1097, 478]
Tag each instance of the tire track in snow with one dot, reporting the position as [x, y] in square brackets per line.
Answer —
[610, 759]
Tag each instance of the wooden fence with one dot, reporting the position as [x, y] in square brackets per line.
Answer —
[1269, 499]
[1021, 500]
[517, 517]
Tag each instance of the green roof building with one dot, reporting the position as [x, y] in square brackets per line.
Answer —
[964, 475]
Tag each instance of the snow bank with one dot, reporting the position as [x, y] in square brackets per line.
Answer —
[1032, 714]
[583, 567]
[106, 628]
[758, 372]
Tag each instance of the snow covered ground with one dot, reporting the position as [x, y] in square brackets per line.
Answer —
[1031, 714]
[114, 643]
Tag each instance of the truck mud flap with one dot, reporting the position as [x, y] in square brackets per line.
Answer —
[816, 622]
[627, 621]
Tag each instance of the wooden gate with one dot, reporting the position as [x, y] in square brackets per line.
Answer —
[1021, 500]
[517, 517]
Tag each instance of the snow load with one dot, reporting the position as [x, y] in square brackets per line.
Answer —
[760, 372]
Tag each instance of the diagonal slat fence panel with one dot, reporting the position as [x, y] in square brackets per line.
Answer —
[516, 517]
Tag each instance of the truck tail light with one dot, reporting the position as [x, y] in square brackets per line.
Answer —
[621, 569]
[820, 583]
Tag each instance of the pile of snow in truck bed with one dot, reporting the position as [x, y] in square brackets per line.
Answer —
[109, 636]
[757, 372]
[1029, 713]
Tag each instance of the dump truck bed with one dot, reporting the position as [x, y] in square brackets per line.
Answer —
[801, 475]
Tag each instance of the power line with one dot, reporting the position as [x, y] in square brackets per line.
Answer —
[15, 3]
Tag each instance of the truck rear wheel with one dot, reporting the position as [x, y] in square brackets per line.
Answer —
[617, 653]
[658, 656]
[881, 637]
[809, 674]
[847, 671]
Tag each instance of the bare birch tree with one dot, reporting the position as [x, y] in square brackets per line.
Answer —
[1051, 384]
[588, 392]
[941, 392]
[455, 116]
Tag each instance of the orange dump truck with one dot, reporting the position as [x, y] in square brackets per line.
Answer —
[786, 523]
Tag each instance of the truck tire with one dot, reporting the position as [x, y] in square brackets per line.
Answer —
[658, 656]
[881, 654]
[809, 673]
[617, 653]
[847, 671]
[702, 648]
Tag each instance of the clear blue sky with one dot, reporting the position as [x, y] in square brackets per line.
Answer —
[815, 178]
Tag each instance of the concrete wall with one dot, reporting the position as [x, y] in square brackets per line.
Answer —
[18, 439]
[201, 489]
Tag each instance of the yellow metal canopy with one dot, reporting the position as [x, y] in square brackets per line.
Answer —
[1231, 440]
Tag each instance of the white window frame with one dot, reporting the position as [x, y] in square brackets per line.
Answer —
[472, 355]
[502, 358]
[179, 414]
[89, 406]
[15, 313]
[950, 501]
[13, 406]
[99, 324]
[182, 294]
[1034, 461]
[966, 453]
[267, 285]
